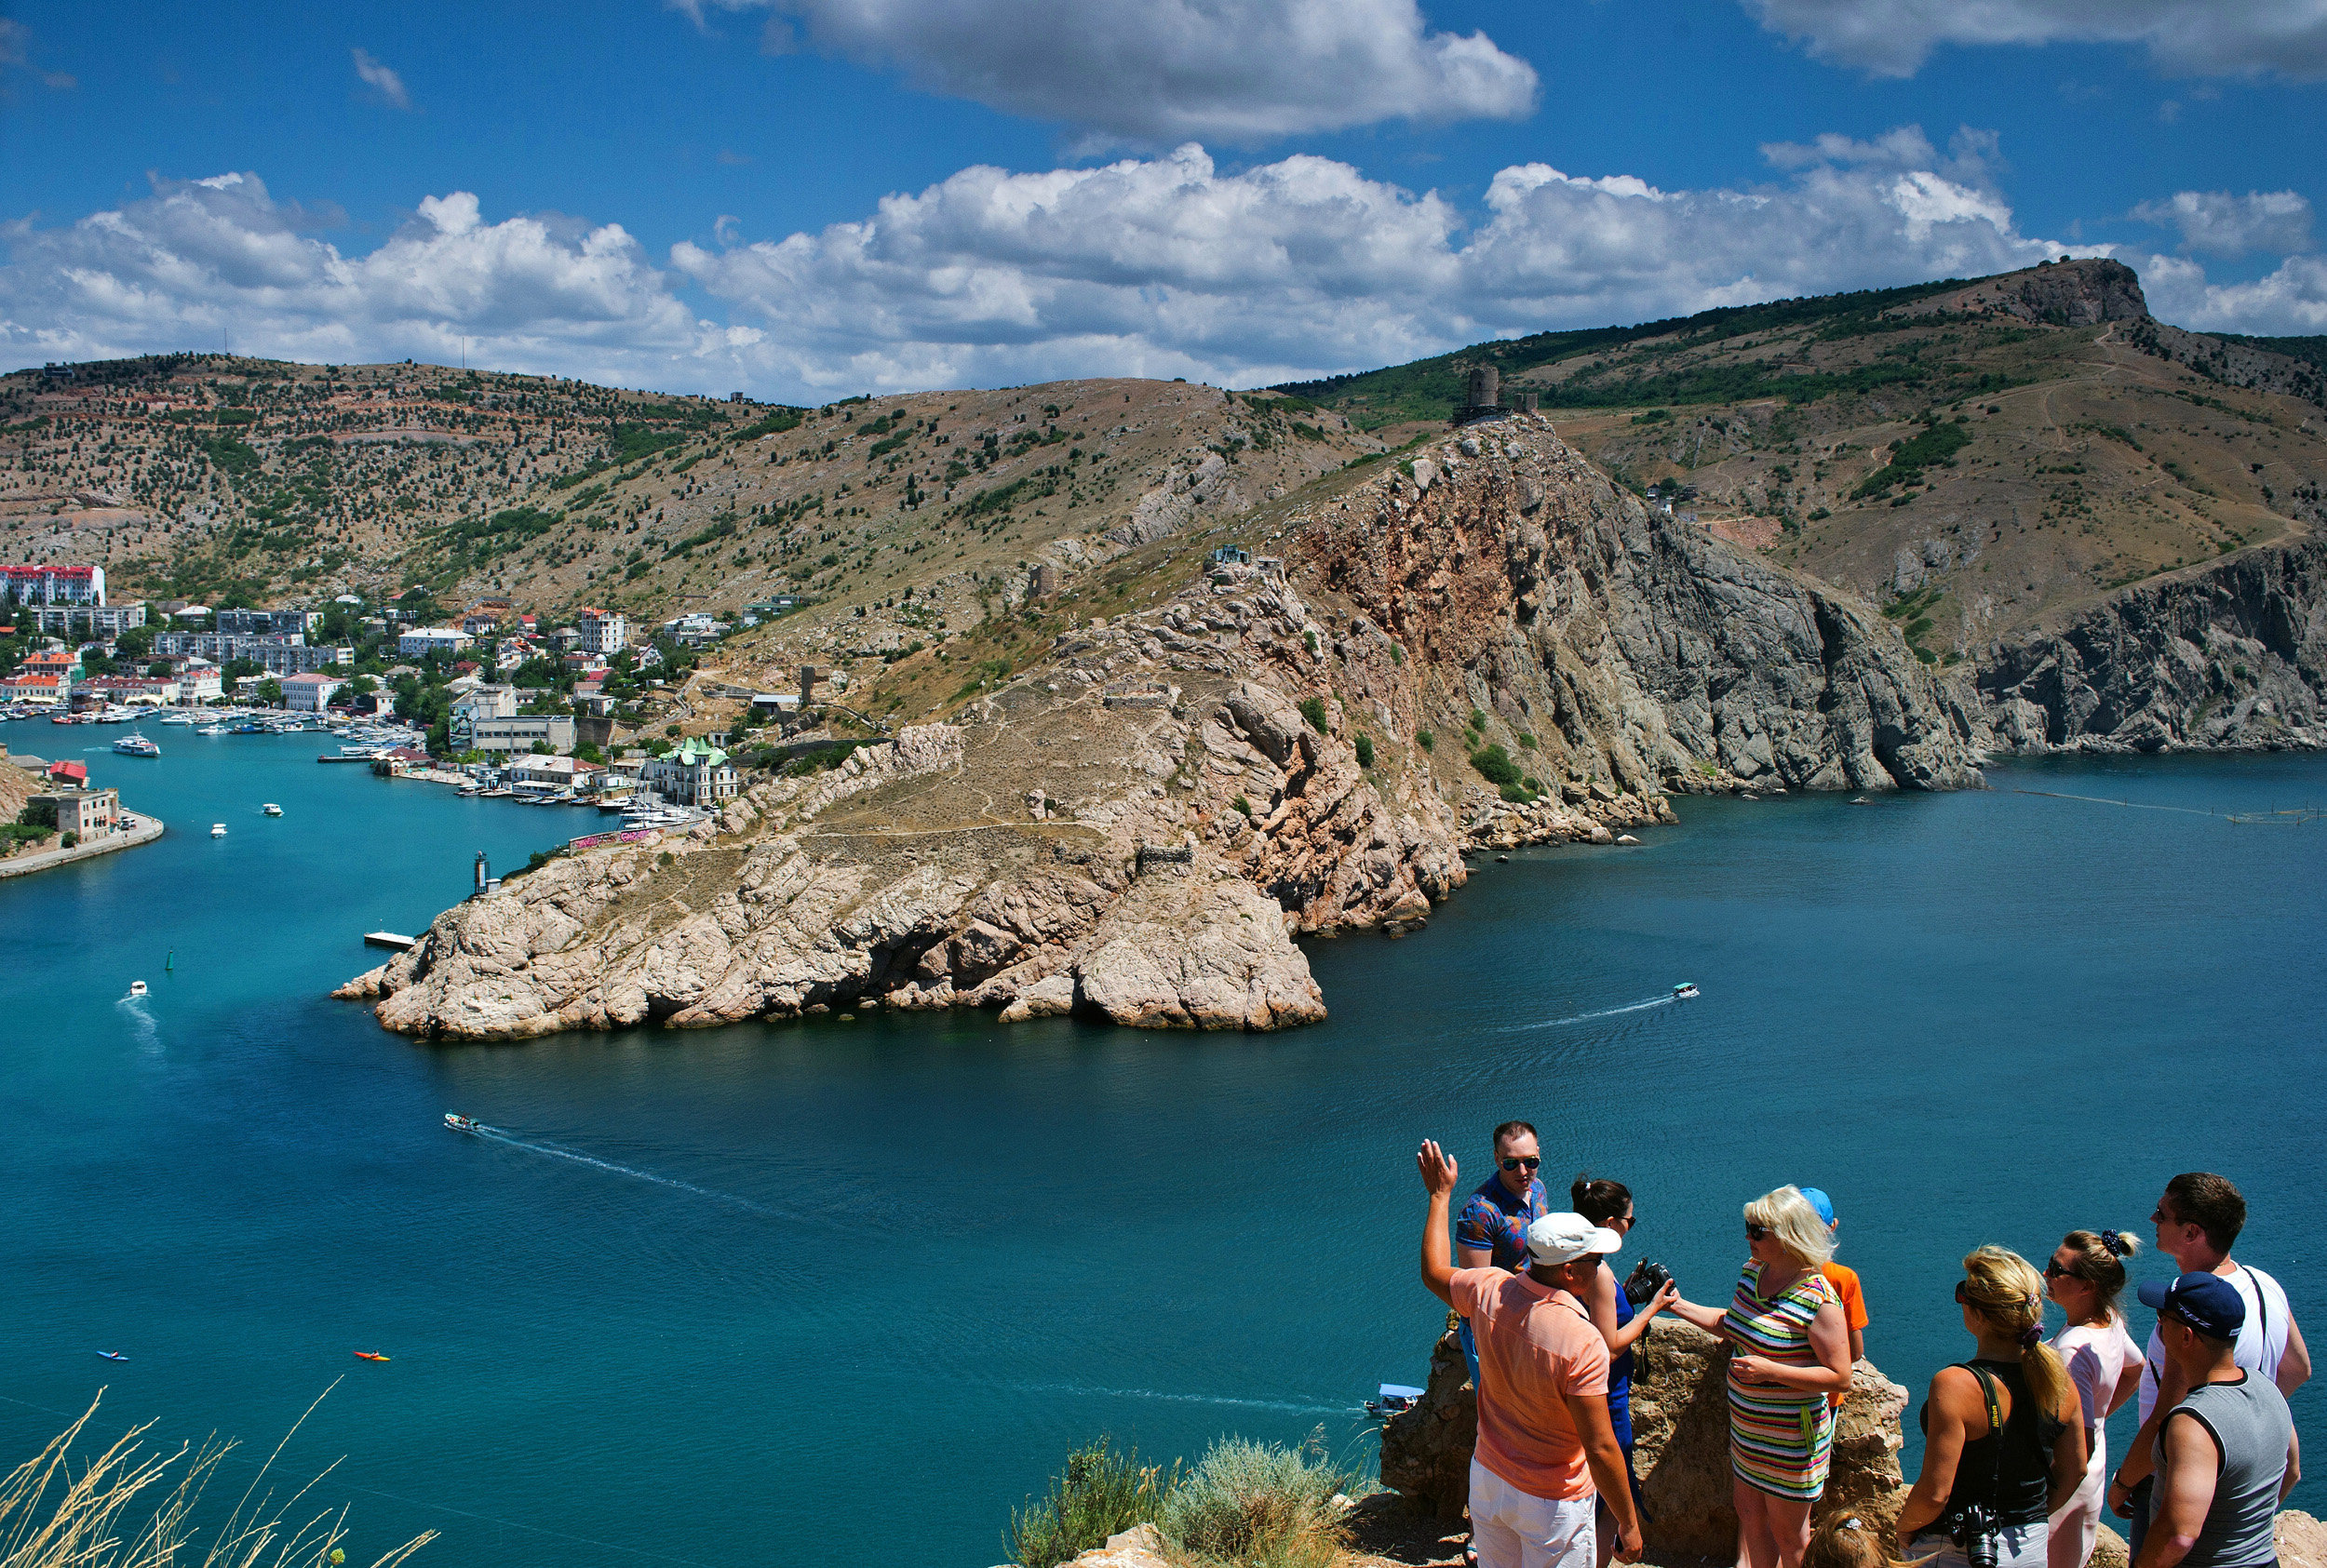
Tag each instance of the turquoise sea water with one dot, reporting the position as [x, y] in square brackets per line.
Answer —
[749, 1295]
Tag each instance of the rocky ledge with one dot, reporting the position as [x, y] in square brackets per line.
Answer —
[2227, 657]
[1139, 825]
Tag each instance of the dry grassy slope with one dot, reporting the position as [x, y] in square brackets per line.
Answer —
[2106, 448]
[560, 493]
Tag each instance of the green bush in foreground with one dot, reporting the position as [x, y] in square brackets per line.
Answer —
[1249, 1505]
[1099, 1493]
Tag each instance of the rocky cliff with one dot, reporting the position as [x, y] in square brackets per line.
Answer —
[2232, 656]
[1492, 645]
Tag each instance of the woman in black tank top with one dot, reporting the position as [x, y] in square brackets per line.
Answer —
[2004, 1439]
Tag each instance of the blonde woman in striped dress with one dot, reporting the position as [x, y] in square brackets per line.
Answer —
[1793, 1349]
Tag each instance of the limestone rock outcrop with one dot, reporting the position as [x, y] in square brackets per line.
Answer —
[1501, 650]
[2229, 657]
[1680, 1431]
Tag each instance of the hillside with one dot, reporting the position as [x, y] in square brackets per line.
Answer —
[1983, 458]
[222, 479]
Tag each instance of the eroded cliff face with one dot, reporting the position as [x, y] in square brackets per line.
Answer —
[1139, 827]
[2230, 656]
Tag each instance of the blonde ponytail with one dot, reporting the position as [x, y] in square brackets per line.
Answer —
[2008, 1293]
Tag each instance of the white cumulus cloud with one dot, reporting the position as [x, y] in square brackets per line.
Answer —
[1162, 70]
[198, 259]
[1157, 266]
[2193, 37]
[2219, 223]
[382, 79]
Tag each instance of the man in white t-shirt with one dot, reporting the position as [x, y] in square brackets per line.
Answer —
[2199, 1220]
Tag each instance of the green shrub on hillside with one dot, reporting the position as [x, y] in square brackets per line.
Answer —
[1313, 710]
[1249, 1505]
[1099, 1493]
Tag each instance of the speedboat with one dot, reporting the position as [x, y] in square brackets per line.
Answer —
[177, 718]
[135, 744]
[211, 730]
[1685, 990]
[217, 830]
[1396, 1399]
[272, 810]
[460, 1123]
[137, 988]
[113, 1355]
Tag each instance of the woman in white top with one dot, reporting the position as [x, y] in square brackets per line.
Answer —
[2085, 1274]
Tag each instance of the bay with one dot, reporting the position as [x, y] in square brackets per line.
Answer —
[759, 1293]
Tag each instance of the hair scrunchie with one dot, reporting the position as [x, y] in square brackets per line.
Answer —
[2114, 1243]
[2030, 1335]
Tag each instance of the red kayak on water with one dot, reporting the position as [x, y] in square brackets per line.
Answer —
[370, 1355]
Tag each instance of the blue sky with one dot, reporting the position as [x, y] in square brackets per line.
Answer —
[810, 198]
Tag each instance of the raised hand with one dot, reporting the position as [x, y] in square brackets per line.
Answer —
[1438, 1167]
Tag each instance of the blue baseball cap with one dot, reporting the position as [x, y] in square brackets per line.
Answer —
[2206, 1302]
[1819, 1201]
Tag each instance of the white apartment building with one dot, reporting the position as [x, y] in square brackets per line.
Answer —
[603, 631]
[420, 641]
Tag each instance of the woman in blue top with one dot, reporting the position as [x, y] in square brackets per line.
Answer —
[1610, 1205]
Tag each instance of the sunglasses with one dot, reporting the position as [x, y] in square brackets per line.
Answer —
[1756, 1232]
[1513, 1162]
[2052, 1271]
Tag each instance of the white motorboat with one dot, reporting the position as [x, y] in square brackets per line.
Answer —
[135, 744]
[460, 1123]
[217, 830]
[272, 810]
[1685, 990]
[137, 988]
[211, 730]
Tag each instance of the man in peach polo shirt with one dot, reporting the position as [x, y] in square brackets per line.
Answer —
[1546, 1451]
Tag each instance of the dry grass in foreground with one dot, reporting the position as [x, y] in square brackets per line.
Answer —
[131, 1508]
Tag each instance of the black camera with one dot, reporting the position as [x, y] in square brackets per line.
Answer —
[1648, 1277]
[1972, 1528]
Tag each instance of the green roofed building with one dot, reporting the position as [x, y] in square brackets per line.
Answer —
[695, 773]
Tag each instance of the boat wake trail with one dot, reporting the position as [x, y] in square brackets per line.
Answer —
[149, 1033]
[1297, 1408]
[497, 1135]
[1587, 1017]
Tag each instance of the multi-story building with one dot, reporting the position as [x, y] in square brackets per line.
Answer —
[519, 733]
[97, 690]
[296, 625]
[58, 662]
[310, 693]
[84, 811]
[53, 585]
[95, 620]
[603, 631]
[27, 686]
[420, 641]
[276, 655]
[548, 773]
[483, 702]
[693, 773]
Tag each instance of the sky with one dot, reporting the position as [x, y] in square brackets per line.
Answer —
[809, 199]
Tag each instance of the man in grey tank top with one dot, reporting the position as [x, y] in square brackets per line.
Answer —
[2227, 1455]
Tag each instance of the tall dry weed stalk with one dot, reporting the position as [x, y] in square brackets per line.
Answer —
[114, 1511]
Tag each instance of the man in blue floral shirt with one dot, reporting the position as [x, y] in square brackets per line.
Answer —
[1493, 1226]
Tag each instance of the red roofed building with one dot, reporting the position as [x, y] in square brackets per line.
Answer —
[53, 585]
[32, 686]
[73, 773]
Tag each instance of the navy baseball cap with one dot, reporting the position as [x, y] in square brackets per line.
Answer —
[1819, 1201]
[2206, 1302]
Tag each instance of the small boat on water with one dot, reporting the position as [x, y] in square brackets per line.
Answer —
[1685, 990]
[272, 810]
[137, 988]
[135, 744]
[211, 730]
[460, 1123]
[370, 1355]
[1395, 1399]
[217, 830]
[113, 1355]
[177, 719]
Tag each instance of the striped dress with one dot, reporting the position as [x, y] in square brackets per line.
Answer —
[1780, 1439]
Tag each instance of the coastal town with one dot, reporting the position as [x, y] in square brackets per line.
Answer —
[488, 698]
